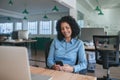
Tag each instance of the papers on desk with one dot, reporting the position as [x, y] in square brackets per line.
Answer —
[88, 43]
[10, 40]
[40, 77]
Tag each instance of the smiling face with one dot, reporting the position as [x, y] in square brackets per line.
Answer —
[66, 30]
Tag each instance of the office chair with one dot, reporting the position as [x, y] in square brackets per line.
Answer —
[106, 52]
[47, 48]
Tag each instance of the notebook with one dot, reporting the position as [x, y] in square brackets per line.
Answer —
[14, 65]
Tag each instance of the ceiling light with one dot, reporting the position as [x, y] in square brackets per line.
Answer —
[25, 18]
[100, 13]
[55, 9]
[97, 8]
[45, 16]
[10, 2]
[8, 18]
[25, 11]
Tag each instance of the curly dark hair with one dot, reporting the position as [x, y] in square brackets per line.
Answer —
[73, 24]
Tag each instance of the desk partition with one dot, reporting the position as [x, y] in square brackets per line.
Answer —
[87, 33]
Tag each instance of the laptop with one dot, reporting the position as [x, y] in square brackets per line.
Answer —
[14, 65]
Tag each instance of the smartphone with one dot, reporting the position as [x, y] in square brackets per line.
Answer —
[59, 63]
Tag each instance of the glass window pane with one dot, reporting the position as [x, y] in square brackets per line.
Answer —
[6, 28]
[18, 26]
[32, 27]
[81, 23]
[45, 27]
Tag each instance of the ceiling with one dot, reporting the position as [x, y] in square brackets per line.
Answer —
[106, 4]
[45, 6]
[33, 6]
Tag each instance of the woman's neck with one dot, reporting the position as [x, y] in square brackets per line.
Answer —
[68, 39]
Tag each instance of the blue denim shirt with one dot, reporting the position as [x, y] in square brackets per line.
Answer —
[67, 52]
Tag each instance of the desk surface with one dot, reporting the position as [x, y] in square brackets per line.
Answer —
[59, 75]
[18, 41]
[92, 48]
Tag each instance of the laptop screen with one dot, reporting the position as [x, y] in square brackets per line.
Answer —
[14, 64]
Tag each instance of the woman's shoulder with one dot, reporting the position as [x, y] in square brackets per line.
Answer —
[55, 40]
[77, 40]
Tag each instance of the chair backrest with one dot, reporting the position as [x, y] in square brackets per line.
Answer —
[106, 50]
[47, 48]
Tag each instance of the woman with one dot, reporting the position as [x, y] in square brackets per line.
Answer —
[67, 48]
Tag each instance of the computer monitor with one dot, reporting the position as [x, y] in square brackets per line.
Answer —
[14, 35]
[23, 34]
[20, 34]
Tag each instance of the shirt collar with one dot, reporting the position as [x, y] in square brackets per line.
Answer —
[71, 41]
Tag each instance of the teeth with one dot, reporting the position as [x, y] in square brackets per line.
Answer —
[66, 33]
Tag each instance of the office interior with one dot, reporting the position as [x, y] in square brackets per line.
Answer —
[39, 17]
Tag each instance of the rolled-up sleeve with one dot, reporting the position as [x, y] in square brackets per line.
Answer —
[82, 61]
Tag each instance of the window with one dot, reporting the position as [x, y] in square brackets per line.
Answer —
[18, 26]
[45, 27]
[32, 27]
[54, 27]
[81, 23]
[6, 28]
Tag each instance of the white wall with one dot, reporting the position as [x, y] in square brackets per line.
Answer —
[110, 21]
[68, 3]
[71, 4]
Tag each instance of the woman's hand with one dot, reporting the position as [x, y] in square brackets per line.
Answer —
[56, 67]
[67, 68]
